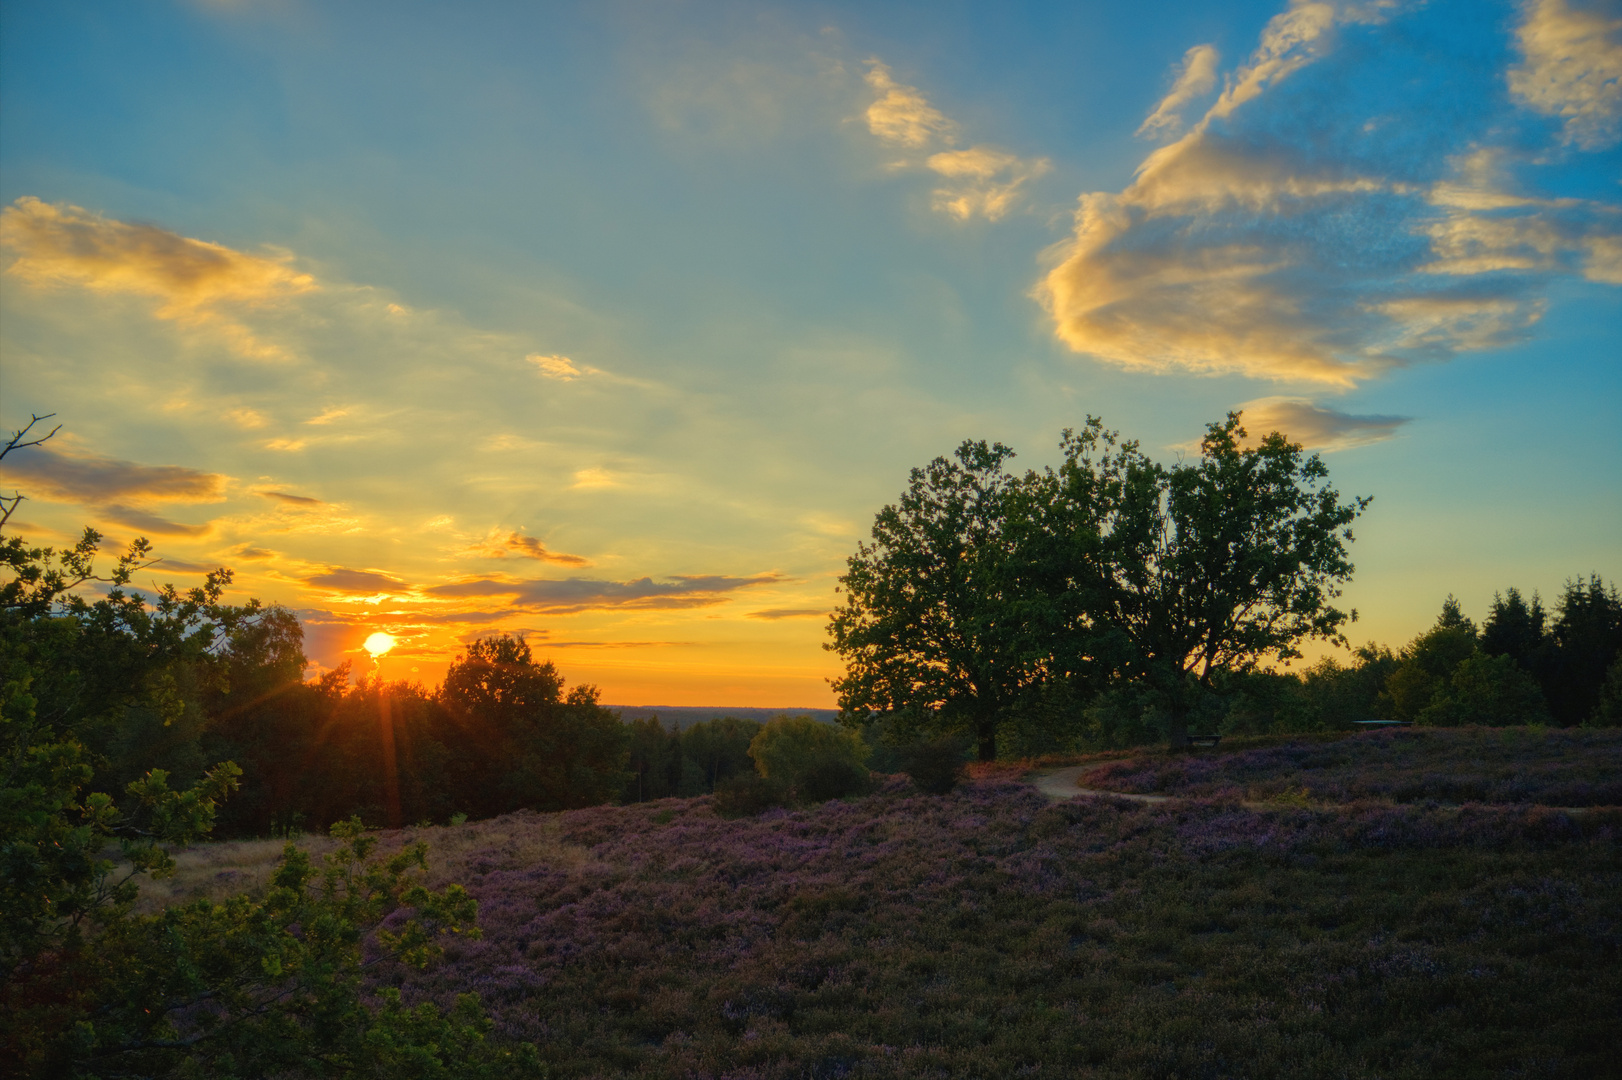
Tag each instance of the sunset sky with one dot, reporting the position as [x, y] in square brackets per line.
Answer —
[614, 324]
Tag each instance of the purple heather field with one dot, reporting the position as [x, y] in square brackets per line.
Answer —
[1573, 767]
[991, 933]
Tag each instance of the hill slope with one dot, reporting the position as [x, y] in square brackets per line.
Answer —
[988, 933]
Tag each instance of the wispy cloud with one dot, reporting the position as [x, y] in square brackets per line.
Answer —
[555, 367]
[1315, 426]
[1572, 69]
[1329, 217]
[981, 181]
[147, 522]
[367, 582]
[1196, 76]
[902, 116]
[89, 478]
[291, 500]
[516, 544]
[774, 614]
[194, 282]
[581, 594]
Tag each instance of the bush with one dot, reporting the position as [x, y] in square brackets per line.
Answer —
[831, 776]
[745, 796]
[935, 765]
[809, 758]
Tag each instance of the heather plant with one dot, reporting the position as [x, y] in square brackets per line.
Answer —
[1513, 765]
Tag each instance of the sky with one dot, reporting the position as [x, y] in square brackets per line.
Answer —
[615, 324]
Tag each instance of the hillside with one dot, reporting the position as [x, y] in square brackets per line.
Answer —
[991, 933]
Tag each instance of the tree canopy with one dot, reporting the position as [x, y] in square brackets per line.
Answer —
[983, 592]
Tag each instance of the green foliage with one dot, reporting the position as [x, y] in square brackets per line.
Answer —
[260, 986]
[531, 744]
[748, 794]
[1587, 640]
[1489, 690]
[813, 761]
[990, 602]
[931, 629]
[714, 750]
[935, 765]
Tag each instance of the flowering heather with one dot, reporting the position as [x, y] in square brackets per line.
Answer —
[988, 933]
[1524, 766]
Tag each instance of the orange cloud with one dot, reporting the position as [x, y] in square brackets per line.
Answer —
[367, 582]
[526, 547]
[291, 500]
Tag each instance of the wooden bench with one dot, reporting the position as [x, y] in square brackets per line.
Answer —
[1204, 740]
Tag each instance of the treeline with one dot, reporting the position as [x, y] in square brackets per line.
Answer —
[1519, 667]
[1115, 600]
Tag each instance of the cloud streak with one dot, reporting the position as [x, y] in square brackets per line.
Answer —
[582, 594]
[93, 479]
[1335, 213]
[1196, 76]
[362, 582]
[516, 544]
[1315, 426]
[194, 282]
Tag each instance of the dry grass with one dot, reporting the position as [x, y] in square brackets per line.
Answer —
[218, 870]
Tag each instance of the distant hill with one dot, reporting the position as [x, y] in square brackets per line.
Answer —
[683, 717]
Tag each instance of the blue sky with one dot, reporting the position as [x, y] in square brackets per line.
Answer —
[616, 323]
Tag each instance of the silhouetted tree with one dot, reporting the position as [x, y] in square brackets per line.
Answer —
[1587, 636]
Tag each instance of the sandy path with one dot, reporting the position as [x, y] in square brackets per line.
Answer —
[1060, 785]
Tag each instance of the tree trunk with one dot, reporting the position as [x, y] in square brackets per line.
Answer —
[1177, 725]
[985, 730]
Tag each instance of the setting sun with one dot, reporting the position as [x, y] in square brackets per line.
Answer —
[379, 643]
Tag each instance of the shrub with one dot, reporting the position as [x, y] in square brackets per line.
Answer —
[831, 775]
[935, 765]
[809, 758]
[745, 796]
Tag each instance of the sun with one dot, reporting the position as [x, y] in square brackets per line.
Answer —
[379, 643]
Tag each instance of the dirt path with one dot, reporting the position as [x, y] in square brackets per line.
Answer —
[1060, 785]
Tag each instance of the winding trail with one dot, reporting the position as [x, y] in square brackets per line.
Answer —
[1060, 785]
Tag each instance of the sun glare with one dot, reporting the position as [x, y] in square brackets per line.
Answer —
[379, 643]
